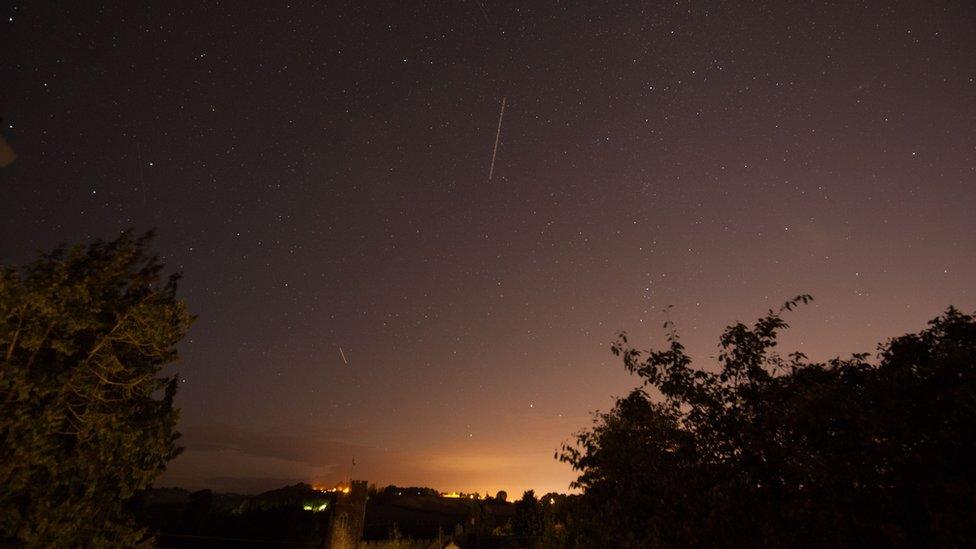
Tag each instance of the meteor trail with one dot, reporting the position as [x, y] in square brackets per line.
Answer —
[498, 134]
[343, 355]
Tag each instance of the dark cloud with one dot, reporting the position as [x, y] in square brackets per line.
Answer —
[321, 449]
[249, 485]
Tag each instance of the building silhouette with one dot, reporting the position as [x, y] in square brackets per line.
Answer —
[348, 516]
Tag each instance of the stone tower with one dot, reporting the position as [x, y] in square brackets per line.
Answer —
[348, 516]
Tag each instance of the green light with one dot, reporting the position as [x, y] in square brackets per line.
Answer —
[315, 507]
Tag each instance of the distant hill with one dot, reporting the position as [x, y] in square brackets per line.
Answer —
[296, 494]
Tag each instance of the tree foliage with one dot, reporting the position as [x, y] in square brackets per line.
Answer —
[781, 451]
[86, 420]
[528, 515]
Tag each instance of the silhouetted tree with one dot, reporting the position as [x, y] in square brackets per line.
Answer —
[502, 495]
[85, 420]
[781, 451]
[528, 515]
[555, 516]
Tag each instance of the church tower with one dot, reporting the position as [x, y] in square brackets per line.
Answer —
[348, 516]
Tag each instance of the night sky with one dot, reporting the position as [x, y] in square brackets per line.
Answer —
[319, 172]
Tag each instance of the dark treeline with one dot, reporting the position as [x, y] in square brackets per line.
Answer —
[179, 518]
[779, 451]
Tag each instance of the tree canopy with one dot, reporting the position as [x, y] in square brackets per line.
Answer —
[779, 450]
[528, 515]
[86, 419]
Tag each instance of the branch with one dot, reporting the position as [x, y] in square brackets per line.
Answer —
[13, 340]
[41, 344]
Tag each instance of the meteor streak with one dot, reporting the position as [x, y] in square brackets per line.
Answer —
[498, 134]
